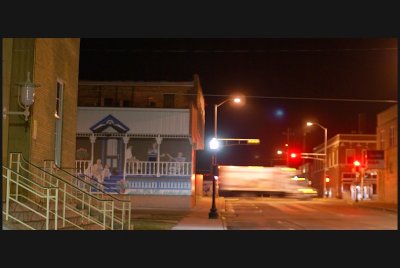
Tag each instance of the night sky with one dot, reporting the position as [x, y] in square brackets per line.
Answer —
[262, 68]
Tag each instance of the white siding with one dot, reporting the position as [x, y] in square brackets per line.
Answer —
[138, 120]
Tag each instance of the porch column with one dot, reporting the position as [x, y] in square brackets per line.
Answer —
[92, 140]
[158, 140]
[194, 145]
[126, 140]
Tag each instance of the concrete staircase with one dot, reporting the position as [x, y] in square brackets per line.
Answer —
[110, 184]
[54, 199]
[38, 223]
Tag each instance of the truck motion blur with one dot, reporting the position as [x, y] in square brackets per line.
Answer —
[278, 181]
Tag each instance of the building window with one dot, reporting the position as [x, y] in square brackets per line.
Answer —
[150, 102]
[125, 103]
[364, 156]
[382, 139]
[58, 125]
[112, 146]
[169, 100]
[108, 102]
[350, 154]
[391, 136]
[348, 175]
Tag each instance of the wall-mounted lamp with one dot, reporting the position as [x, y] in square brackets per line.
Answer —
[26, 97]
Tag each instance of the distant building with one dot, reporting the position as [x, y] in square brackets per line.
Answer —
[50, 130]
[387, 141]
[147, 133]
[342, 151]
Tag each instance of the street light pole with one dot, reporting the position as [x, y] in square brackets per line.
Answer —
[326, 157]
[325, 153]
[213, 214]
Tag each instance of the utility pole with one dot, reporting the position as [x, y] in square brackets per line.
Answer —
[304, 145]
[288, 133]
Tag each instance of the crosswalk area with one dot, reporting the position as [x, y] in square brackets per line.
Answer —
[284, 206]
[292, 214]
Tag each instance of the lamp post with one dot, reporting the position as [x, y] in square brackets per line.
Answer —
[213, 214]
[325, 152]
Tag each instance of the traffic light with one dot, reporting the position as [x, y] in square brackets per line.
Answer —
[294, 158]
[327, 179]
[357, 165]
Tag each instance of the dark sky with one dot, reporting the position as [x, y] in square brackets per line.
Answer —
[302, 68]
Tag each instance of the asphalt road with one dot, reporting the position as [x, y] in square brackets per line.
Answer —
[253, 213]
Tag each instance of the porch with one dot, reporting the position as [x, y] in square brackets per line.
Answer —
[146, 169]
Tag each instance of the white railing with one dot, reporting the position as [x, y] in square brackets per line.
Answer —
[92, 209]
[30, 195]
[121, 208]
[164, 168]
[81, 165]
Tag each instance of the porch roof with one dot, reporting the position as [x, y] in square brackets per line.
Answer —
[131, 135]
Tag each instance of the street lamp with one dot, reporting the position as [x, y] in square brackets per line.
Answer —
[325, 152]
[214, 145]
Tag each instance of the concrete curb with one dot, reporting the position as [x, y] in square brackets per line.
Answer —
[366, 205]
[377, 208]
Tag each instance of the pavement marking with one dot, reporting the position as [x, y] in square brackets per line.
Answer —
[283, 208]
[302, 207]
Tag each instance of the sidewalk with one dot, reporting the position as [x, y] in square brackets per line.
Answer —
[197, 218]
[376, 205]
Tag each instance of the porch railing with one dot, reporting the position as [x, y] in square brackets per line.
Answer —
[164, 169]
[145, 168]
[82, 165]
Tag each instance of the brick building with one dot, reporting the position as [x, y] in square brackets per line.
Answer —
[49, 132]
[342, 151]
[387, 141]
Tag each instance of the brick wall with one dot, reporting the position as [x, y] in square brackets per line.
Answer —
[55, 59]
[388, 180]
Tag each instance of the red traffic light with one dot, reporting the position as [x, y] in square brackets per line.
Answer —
[357, 165]
[293, 158]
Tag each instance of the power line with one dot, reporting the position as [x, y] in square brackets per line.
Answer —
[298, 98]
[283, 98]
[237, 50]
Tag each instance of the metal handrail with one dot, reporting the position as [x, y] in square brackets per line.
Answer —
[92, 202]
[126, 205]
[14, 197]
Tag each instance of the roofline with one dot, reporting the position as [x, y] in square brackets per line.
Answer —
[135, 83]
[338, 138]
[97, 108]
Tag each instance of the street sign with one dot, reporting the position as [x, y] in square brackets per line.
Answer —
[375, 159]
